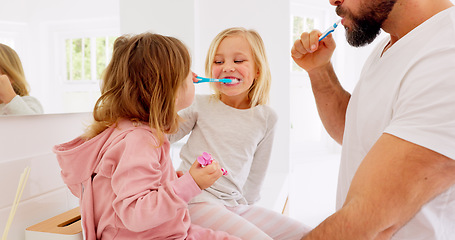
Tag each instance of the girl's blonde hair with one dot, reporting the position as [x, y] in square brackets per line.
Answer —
[260, 89]
[141, 83]
[10, 64]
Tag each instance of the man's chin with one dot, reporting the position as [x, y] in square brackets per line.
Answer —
[360, 39]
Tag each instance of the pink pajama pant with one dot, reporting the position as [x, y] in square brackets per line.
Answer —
[247, 222]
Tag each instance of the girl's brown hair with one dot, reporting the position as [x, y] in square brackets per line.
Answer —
[10, 64]
[141, 83]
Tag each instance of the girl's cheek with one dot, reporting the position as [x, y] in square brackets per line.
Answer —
[216, 71]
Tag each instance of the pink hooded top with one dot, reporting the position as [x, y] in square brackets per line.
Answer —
[128, 188]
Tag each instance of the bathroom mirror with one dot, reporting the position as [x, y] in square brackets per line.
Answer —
[63, 45]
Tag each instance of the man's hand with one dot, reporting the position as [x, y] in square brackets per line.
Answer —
[309, 53]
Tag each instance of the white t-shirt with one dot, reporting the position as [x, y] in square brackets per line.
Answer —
[239, 139]
[408, 92]
[25, 105]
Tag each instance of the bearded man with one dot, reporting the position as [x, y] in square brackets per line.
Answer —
[397, 129]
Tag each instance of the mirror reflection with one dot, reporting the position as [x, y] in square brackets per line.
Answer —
[14, 89]
[63, 46]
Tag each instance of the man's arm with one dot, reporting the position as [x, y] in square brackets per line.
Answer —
[392, 183]
[331, 99]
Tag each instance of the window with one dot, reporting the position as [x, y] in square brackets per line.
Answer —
[83, 49]
[86, 58]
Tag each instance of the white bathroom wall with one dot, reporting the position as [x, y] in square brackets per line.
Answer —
[196, 23]
[28, 141]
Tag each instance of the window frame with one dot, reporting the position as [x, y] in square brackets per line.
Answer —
[60, 31]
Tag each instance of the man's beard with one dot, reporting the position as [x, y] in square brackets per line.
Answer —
[366, 27]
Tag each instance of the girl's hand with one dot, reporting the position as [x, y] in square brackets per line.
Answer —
[309, 53]
[205, 176]
[6, 89]
[195, 80]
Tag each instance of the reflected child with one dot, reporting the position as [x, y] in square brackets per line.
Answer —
[14, 90]
[236, 126]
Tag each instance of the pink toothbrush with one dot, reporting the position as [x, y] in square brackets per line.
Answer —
[206, 159]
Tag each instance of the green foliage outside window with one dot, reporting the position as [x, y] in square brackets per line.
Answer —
[84, 55]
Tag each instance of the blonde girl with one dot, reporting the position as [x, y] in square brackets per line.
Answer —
[14, 89]
[120, 167]
[237, 127]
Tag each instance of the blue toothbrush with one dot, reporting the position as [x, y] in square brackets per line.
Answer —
[203, 79]
[329, 30]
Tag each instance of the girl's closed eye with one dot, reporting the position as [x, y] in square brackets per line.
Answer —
[239, 61]
[218, 62]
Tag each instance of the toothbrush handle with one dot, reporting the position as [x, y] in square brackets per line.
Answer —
[330, 30]
[201, 79]
[326, 34]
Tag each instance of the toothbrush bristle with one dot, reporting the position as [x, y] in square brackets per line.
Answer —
[338, 23]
